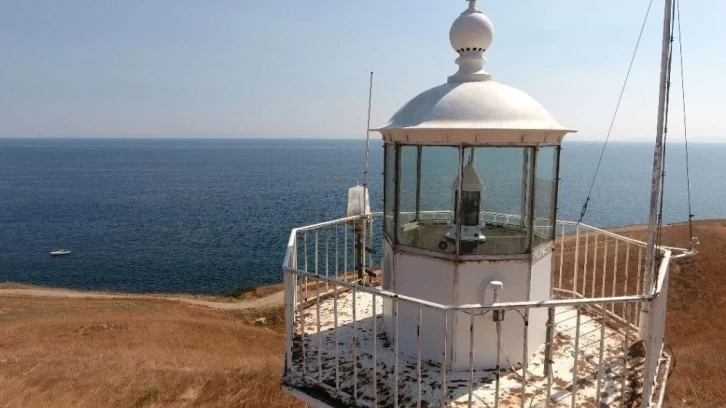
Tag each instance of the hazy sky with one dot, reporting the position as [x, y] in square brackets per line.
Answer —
[257, 68]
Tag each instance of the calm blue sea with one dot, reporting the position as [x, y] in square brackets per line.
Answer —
[210, 215]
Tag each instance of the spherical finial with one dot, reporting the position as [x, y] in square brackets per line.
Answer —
[471, 31]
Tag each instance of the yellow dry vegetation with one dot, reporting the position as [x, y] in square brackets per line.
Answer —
[108, 353]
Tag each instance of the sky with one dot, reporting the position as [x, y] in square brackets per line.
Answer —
[253, 68]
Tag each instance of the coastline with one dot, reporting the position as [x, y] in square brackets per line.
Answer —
[220, 302]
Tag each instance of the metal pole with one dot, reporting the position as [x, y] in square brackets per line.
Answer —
[525, 186]
[419, 154]
[656, 182]
[460, 189]
[368, 133]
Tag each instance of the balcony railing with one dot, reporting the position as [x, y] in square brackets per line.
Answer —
[604, 340]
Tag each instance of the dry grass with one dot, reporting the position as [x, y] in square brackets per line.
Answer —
[696, 325]
[107, 353]
[152, 353]
[257, 292]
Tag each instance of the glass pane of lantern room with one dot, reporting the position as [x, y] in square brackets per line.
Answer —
[505, 173]
[427, 197]
[408, 185]
[389, 190]
[545, 190]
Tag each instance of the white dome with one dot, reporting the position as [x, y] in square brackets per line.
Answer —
[472, 31]
[478, 105]
[472, 108]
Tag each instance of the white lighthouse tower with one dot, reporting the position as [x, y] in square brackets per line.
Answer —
[479, 296]
[480, 133]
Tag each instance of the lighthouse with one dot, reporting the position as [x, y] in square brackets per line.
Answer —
[475, 294]
[466, 137]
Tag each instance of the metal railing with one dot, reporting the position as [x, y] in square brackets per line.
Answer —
[337, 347]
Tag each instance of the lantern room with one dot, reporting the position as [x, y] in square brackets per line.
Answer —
[470, 186]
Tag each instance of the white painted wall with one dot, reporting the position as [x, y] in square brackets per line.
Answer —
[473, 279]
[428, 279]
[447, 283]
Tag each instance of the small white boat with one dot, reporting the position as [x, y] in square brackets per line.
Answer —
[60, 252]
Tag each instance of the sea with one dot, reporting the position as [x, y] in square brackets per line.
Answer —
[213, 215]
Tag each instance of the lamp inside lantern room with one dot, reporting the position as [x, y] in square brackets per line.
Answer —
[472, 193]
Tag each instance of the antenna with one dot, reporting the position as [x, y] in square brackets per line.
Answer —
[368, 138]
[364, 235]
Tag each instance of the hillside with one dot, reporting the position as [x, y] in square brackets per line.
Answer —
[151, 351]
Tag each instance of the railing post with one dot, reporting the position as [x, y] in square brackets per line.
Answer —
[375, 353]
[594, 266]
[289, 280]
[548, 372]
[418, 356]
[355, 346]
[525, 359]
[444, 387]
[471, 359]
[584, 266]
[395, 352]
[577, 261]
[335, 337]
[576, 366]
[600, 368]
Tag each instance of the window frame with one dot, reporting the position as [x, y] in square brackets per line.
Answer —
[531, 152]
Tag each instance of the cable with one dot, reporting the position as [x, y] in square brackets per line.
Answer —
[615, 114]
[685, 121]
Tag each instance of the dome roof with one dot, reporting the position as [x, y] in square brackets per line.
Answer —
[471, 107]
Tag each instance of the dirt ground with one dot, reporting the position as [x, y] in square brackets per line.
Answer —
[96, 350]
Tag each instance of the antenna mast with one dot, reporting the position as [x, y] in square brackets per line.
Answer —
[657, 180]
[368, 138]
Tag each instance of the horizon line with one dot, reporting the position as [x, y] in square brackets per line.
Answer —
[186, 137]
